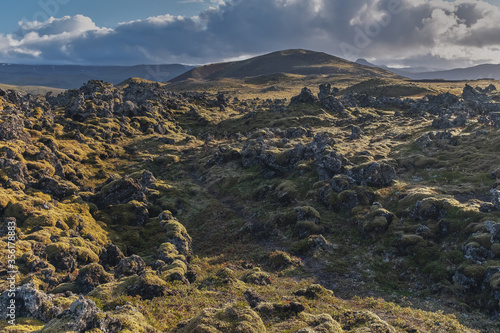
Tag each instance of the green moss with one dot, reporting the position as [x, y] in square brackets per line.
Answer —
[43, 166]
[126, 214]
[20, 210]
[484, 239]
[495, 282]
[56, 248]
[40, 236]
[177, 267]
[3, 176]
[309, 226]
[168, 252]
[411, 240]
[286, 191]
[23, 325]
[175, 230]
[133, 320]
[308, 212]
[231, 319]
[63, 287]
[477, 272]
[108, 292]
[281, 260]
[256, 276]
[378, 223]
[495, 249]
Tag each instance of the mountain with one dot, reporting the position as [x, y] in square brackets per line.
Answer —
[365, 62]
[72, 76]
[486, 71]
[297, 61]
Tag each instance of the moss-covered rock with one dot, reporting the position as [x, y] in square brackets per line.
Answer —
[132, 320]
[132, 213]
[257, 276]
[83, 315]
[168, 253]
[91, 276]
[133, 265]
[230, 319]
[280, 260]
[286, 192]
[319, 323]
[176, 271]
[30, 303]
[178, 236]
[314, 291]
[148, 285]
[223, 278]
[364, 321]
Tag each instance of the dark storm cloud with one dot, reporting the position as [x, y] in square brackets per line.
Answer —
[386, 31]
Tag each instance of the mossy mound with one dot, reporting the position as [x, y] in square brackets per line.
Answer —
[230, 319]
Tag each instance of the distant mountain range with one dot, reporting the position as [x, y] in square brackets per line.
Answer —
[486, 71]
[297, 61]
[69, 77]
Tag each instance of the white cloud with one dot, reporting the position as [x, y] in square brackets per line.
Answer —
[423, 32]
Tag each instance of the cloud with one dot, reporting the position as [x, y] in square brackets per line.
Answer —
[398, 32]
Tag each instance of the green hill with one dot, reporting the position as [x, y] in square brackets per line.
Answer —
[36, 90]
[302, 62]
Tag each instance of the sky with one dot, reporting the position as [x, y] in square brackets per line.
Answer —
[438, 34]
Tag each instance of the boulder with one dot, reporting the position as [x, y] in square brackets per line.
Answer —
[111, 256]
[257, 276]
[356, 133]
[133, 265]
[252, 298]
[30, 303]
[306, 96]
[59, 189]
[373, 174]
[12, 128]
[320, 323]
[314, 291]
[178, 236]
[83, 316]
[149, 286]
[118, 192]
[91, 276]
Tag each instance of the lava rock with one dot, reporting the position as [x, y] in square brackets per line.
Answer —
[252, 298]
[91, 276]
[306, 96]
[118, 192]
[30, 303]
[133, 265]
[111, 256]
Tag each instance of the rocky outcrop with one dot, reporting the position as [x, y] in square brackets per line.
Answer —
[306, 96]
[133, 265]
[84, 315]
[91, 276]
[373, 174]
[29, 303]
[118, 192]
[12, 128]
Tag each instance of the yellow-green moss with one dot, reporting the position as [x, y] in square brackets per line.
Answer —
[23, 325]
